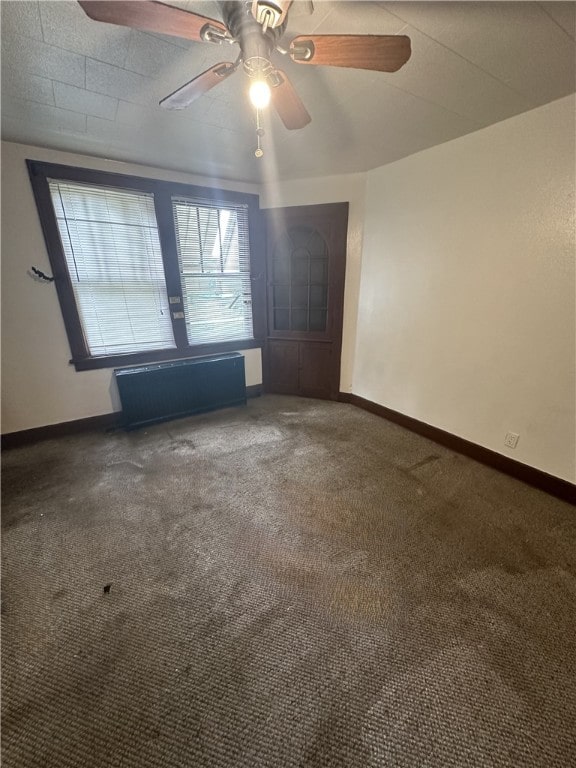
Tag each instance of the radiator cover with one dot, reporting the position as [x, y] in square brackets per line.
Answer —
[155, 393]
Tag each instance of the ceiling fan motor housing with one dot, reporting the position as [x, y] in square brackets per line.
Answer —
[256, 44]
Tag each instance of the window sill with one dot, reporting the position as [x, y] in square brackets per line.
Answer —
[162, 355]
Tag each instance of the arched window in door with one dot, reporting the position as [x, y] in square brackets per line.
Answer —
[300, 280]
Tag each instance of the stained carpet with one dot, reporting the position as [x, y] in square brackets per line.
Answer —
[292, 584]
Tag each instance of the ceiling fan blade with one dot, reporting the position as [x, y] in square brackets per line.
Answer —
[383, 53]
[186, 94]
[287, 103]
[152, 16]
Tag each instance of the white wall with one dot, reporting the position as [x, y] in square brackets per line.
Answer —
[467, 301]
[332, 189]
[39, 387]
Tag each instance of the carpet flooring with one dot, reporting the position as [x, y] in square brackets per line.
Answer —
[293, 584]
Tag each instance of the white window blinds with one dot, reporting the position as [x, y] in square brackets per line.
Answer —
[214, 259]
[111, 245]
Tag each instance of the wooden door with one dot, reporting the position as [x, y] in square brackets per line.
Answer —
[306, 261]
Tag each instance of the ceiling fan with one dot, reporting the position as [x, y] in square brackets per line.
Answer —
[257, 27]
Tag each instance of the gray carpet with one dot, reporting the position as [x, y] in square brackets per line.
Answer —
[294, 583]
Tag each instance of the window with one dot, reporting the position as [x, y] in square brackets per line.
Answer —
[214, 262]
[110, 241]
[300, 281]
[146, 270]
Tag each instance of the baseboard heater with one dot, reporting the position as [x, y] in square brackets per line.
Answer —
[155, 393]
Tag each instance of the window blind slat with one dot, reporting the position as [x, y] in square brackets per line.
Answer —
[214, 259]
[112, 250]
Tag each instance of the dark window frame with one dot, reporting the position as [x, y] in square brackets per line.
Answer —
[163, 191]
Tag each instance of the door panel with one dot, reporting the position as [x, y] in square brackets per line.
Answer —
[282, 367]
[315, 361]
[306, 260]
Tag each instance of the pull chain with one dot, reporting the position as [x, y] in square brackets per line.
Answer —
[259, 133]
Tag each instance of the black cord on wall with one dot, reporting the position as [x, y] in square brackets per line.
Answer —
[40, 276]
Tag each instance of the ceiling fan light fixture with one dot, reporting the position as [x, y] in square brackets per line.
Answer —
[259, 94]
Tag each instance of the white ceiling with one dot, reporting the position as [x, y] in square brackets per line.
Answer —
[75, 84]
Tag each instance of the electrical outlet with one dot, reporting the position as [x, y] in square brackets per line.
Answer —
[511, 439]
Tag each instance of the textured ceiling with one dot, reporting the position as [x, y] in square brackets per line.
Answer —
[75, 84]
